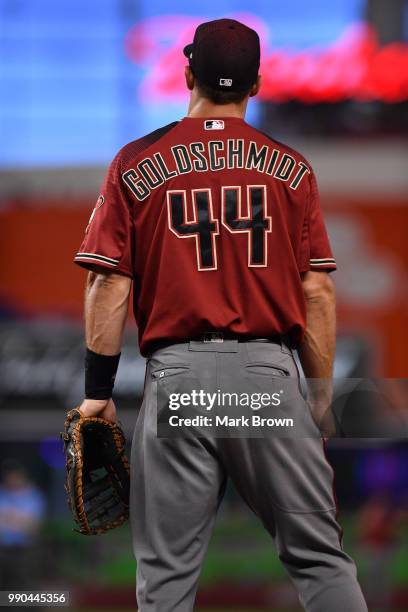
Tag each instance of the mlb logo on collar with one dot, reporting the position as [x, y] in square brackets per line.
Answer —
[213, 124]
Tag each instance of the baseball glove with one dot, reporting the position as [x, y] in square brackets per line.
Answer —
[97, 473]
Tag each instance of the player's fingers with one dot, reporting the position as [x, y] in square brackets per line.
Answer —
[109, 412]
[90, 407]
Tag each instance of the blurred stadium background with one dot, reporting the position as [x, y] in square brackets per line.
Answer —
[79, 80]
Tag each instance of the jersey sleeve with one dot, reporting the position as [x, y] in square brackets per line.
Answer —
[316, 253]
[108, 240]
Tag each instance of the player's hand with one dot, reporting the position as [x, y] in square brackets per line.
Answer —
[101, 408]
[323, 417]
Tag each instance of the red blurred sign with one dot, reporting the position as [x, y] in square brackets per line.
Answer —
[353, 67]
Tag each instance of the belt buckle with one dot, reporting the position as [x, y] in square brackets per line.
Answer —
[214, 337]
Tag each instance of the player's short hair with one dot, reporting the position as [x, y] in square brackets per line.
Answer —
[222, 97]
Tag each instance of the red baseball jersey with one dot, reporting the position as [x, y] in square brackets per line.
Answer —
[215, 223]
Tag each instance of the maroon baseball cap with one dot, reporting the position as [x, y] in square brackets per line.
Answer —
[224, 55]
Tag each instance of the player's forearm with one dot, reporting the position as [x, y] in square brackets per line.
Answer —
[106, 308]
[318, 348]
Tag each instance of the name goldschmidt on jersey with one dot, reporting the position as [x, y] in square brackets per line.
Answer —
[237, 153]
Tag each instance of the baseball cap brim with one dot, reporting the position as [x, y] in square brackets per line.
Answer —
[188, 50]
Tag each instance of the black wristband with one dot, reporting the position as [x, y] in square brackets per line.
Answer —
[100, 373]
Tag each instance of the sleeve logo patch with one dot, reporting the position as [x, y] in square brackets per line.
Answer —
[214, 124]
[99, 202]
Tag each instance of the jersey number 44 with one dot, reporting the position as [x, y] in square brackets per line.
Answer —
[205, 228]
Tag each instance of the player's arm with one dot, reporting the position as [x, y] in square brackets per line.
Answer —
[106, 308]
[317, 350]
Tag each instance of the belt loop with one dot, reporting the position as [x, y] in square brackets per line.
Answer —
[213, 336]
[227, 346]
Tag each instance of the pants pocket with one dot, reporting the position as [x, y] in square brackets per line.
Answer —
[266, 369]
[167, 371]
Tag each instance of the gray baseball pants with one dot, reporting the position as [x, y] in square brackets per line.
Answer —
[177, 485]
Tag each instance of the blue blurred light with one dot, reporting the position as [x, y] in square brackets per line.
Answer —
[69, 94]
[382, 470]
[51, 452]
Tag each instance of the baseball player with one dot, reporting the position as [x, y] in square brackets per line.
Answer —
[219, 227]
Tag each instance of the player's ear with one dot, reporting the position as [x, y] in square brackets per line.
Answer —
[189, 76]
[256, 86]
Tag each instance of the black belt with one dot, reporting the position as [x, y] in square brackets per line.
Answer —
[215, 336]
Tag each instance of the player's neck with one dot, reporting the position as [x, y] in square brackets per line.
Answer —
[202, 107]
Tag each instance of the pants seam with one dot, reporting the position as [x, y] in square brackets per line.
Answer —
[303, 511]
